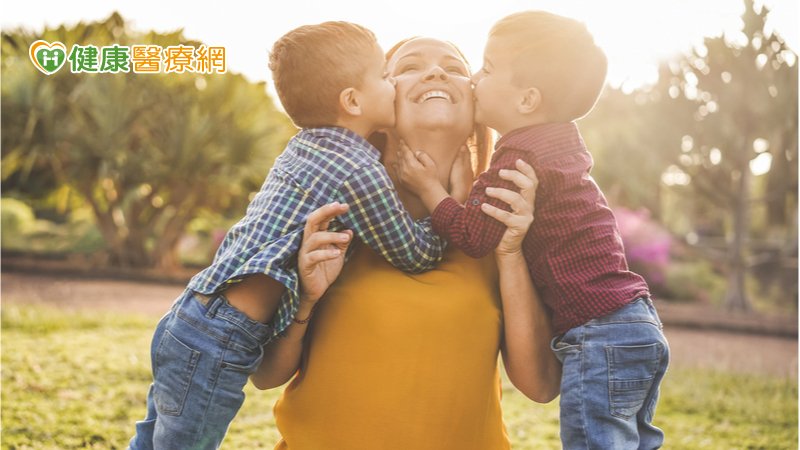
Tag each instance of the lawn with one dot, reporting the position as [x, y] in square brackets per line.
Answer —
[78, 380]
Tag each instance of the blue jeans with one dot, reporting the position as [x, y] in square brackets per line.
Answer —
[202, 354]
[613, 366]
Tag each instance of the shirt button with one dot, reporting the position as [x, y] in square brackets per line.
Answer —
[475, 202]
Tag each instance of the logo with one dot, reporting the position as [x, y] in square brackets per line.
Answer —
[48, 57]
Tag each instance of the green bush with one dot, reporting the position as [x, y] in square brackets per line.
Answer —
[16, 218]
[694, 281]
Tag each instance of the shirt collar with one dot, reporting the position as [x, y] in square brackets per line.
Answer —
[344, 135]
[544, 139]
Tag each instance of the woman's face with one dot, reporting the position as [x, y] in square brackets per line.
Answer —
[433, 87]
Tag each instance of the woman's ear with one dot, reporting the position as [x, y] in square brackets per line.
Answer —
[349, 101]
[530, 101]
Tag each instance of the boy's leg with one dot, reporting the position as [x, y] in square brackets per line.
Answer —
[651, 436]
[612, 368]
[201, 365]
[143, 439]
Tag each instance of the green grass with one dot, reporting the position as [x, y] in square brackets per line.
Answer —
[78, 380]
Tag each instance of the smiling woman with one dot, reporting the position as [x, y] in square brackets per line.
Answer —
[396, 361]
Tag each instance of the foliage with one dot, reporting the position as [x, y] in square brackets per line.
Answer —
[79, 380]
[15, 217]
[711, 151]
[147, 152]
[23, 232]
[693, 281]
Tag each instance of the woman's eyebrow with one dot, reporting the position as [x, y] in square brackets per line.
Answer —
[409, 55]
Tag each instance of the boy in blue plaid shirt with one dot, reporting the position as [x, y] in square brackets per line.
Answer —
[332, 82]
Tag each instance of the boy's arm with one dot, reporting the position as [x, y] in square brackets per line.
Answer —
[465, 226]
[378, 217]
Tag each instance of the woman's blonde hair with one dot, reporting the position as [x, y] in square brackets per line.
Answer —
[481, 140]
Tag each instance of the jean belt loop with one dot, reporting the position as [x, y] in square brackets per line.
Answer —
[217, 301]
[211, 302]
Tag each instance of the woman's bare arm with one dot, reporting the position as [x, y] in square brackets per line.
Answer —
[319, 262]
[530, 364]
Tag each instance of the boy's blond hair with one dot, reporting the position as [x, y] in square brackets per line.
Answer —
[558, 56]
[311, 65]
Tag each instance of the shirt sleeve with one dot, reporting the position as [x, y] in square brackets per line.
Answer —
[377, 216]
[468, 227]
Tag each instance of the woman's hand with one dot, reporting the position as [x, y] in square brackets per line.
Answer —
[461, 175]
[321, 256]
[522, 206]
[530, 364]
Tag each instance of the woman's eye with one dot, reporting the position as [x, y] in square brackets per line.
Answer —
[404, 69]
[457, 70]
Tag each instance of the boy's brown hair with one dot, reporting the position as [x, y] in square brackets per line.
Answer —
[312, 64]
[558, 56]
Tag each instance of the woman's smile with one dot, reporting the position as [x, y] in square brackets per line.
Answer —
[435, 94]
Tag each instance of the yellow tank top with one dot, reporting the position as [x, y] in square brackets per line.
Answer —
[400, 361]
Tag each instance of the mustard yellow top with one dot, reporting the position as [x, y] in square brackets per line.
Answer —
[400, 361]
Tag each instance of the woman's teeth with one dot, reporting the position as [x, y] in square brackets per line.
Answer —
[434, 94]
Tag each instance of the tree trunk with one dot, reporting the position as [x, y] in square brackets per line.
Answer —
[736, 296]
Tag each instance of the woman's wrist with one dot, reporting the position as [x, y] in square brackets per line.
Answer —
[503, 256]
[304, 311]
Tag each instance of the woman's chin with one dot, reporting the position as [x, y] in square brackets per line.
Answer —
[433, 120]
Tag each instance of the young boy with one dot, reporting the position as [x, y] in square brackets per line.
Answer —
[332, 82]
[540, 73]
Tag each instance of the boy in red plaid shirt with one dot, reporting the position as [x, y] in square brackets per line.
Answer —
[541, 72]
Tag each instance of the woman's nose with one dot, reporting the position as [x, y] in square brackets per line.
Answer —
[436, 73]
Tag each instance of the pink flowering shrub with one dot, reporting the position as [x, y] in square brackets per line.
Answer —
[647, 245]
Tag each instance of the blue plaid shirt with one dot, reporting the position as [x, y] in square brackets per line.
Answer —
[319, 166]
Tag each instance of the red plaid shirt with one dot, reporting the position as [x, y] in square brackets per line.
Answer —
[573, 248]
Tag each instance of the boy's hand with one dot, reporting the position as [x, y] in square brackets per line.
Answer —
[416, 170]
[461, 175]
[418, 173]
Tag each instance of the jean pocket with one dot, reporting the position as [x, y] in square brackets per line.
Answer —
[241, 359]
[565, 344]
[632, 370]
[175, 365]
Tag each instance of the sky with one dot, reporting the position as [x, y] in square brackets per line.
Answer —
[635, 34]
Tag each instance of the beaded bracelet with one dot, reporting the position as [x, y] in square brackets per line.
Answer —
[304, 321]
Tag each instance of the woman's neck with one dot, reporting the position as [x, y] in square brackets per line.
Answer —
[441, 147]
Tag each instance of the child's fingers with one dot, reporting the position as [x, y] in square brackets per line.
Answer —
[425, 159]
[410, 159]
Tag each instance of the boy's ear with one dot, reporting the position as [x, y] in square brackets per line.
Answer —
[349, 101]
[530, 101]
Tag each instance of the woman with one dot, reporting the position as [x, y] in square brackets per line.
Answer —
[410, 361]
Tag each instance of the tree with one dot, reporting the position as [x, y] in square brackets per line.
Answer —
[744, 88]
[148, 152]
[711, 150]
